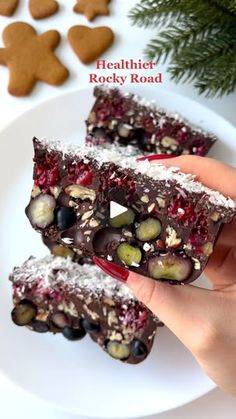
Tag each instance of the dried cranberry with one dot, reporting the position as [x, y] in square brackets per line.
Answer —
[181, 135]
[117, 107]
[113, 179]
[47, 172]
[80, 173]
[135, 317]
[198, 148]
[160, 134]
[148, 123]
[181, 209]
[199, 234]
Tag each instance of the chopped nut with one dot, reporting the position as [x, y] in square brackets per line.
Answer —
[77, 191]
[109, 301]
[197, 264]
[73, 204]
[68, 308]
[127, 234]
[92, 117]
[94, 223]
[124, 130]
[115, 336]
[215, 216]
[187, 246]
[55, 191]
[88, 232]
[86, 215]
[35, 191]
[88, 300]
[151, 207]
[112, 319]
[77, 251]
[92, 314]
[42, 315]
[146, 247]
[113, 124]
[127, 340]
[161, 201]
[172, 240]
[168, 141]
[128, 330]
[207, 248]
[62, 251]
[145, 199]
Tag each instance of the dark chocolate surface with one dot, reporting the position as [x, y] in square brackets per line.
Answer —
[125, 119]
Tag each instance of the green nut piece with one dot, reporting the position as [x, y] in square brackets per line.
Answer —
[148, 229]
[62, 251]
[118, 350]
[129, 255]
[24, 313]
[123, 219]
[170, 267]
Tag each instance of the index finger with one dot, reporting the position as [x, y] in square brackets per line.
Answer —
[210, 172]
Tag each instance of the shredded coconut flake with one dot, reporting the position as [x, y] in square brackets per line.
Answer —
[52, 270]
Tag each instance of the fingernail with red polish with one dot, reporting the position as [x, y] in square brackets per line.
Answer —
[156, 157]
[112, 269]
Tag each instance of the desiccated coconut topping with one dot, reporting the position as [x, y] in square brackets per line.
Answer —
[52, 270]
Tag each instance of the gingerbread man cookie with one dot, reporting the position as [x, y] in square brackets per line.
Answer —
[30, 58]
[40, 9]
[92, 8]
[88, 44]
[8, 7]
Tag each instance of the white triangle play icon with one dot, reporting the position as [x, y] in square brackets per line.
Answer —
[116, 209]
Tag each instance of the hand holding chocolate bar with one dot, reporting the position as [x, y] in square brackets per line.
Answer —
[204, 320]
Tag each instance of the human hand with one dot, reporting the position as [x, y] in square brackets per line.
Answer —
[204, 320]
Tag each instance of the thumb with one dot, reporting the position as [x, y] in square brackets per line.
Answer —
[186, 310]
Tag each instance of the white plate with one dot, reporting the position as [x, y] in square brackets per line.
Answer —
[79, 377]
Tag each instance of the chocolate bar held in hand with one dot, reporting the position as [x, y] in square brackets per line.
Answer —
[126, 119]
[166, 230]
[56, 295]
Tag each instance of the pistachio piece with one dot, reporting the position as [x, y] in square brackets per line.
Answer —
[129, 255]
[171, 267]
[77, 191]
[148, 229]
[123, 219]
[118, 350]
[62, 251]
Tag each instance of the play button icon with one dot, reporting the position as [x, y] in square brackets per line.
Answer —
[116, 209]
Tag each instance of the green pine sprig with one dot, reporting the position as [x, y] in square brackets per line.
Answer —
[197, 36]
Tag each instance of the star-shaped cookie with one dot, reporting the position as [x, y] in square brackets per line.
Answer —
[8, 7]
[30, 58]
[92, 8]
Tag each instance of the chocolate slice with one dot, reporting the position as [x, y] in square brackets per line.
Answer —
[56, 295]
[170, 225]
[126, 119]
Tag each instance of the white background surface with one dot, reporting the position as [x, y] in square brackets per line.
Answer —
[129, 44]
